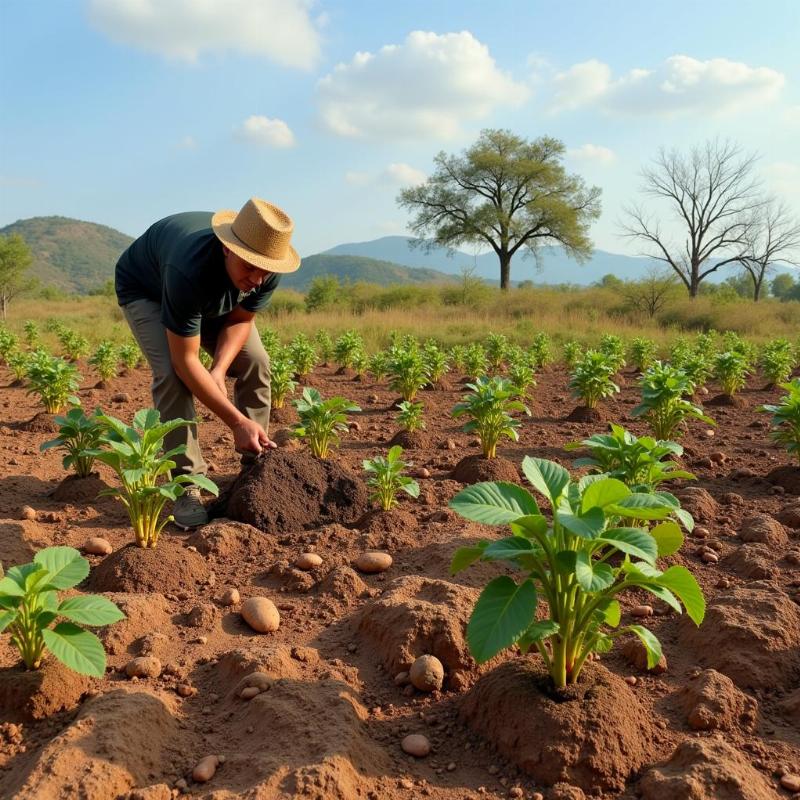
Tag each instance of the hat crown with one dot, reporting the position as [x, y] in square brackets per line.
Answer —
[264, 228]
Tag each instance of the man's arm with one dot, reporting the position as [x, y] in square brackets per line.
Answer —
[185, 356]
[230, 341]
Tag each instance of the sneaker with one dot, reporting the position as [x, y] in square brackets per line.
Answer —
[188, 509]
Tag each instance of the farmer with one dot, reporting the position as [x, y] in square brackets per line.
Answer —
[197, 280]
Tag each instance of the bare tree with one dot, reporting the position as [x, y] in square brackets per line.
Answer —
[775, 239]
[650, 294]
[714, 196]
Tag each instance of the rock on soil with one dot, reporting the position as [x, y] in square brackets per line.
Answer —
[137, 728]
[169, 568]
[373, 562]
[477, 468]
[421, 616]
[37, 694]
[711, 701]
[706, 769]
[751, 634]
[593, 735]
[790, 515]
[41, 423]
[284, 492]
[427, 674]
[763, 529]
[79, 491]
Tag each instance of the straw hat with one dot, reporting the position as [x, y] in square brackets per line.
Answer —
[260, 233]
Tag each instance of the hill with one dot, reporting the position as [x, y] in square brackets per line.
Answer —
[70, 254]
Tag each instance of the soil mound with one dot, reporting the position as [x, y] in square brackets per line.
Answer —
[286, 491]
[118, 741]
[790, 516]
[706, 769]
[287, 415]
[752, 561]
[477, 469]
[228, 541]
[593, 735]
[417, 616]
[41, 423]
[274, 660]
[19, 541]
[144, 614]
[79, 490]
[764, 529]
[751, 634]
[711, 701]
[584, 414]
[731, 401]
[37, 694]
[343, 583]
[412, 440]
[389, 529]
[167, 568]
[699, 503]
[786, 477]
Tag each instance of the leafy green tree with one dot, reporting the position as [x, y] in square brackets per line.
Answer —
[507, 193]
[15, 258]
[323, 292]
[782, 285]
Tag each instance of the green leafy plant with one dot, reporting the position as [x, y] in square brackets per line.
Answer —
[79, 437]
[9, 343]
[731, 369]
[489, 406]
[457, 356]
[663, 405]
[136, 453]
[410, 416]
[580, 562]
[32, 338]
[130, 355]
[282, 383]
[475, 361]
[591, 378]
[74, 345]
[786, 418]
[522, 376]
[206, 359]
[571, 351]
[379, 365]
[345, 348]
[540, 351]
[303, 355]
[29, 605]
[777, 361]
[614, 348]
[496, 349]
[321, 420]
[680, 350]
[436, 361]
[270, 340]
[643, 353]
[17, 361]
[385, 478]
[408, 372]
[697, 368]
[105, 359]
[325, 345]
[54, 380]
[360, 364]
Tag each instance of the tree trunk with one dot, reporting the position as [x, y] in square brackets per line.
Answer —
[505, 270]
[694, 285]
[757, 288]
[4, 305]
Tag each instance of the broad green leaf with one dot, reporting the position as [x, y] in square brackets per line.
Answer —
[90, 609]
[494, 503]
[465, 556]
[633, 541]
[612, 613]
[547, 477]
[565, 561]
[67, 567]
[205, 483]
[78, 649]
[662, 593]
[536, 632]
[641, 506]
[502, 614]
[603, 493]
[529, 526]
[21, 575]
[508, 549]
[591, 576]
[679, 580]
[650, 642]
[587, 526]
[8, 586]
[6, 618]
[668, 537]
[172, 491]
[685, 517]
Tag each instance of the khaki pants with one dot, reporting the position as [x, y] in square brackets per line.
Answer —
[250, 368]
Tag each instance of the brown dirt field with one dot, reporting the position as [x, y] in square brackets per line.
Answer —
[719, 722]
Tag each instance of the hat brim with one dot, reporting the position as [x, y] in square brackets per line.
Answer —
[221, 225]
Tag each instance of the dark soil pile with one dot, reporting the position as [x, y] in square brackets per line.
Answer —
[584, 414]
[41, 423]
[476, 469]
[168, 568]
[292, 491]
[592, 735]
[411, 440]
[79, 490]
[731, 401]
[788, 478]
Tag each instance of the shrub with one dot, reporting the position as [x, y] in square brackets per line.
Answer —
[17, 362]
[53, 380]
[80, 437]
[540, 350]
[270, 340]
[136, 453]
[360, 364]
[523, 378]
[130, 355]
[410, 416]
[32, 338]
[457, 356]
[614, 348]
[663, 405]
[378, 365]
[571, 352]
[385, 478]
[475, 361]
[489, 406]
[303, 355]
[786, 418]
[435, 360]
[697, 367]
[345, 347]
[321, 420]
[571, 563]
[73, 344]
[104, 360]
[777, 361]
[29, 605]
[643, 353]
[282, 383]
[496, 349]
[730, 369]
[408, 372]
[591, 378]
[8, 344]
[325, 345]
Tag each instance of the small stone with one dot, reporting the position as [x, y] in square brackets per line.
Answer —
[701, 532]
[642, 611]
[143, 667]
[631, 680]
[249, 692]
[421, 472]
[308, 561]
[185, 690]
[205, 769]
[708, 433]
[427, 674]
[261, 614]
[710, 557]
[230, 597]
[97, 546]
[27, 513]
[790, 782]
[401, 679]
[121, 397]
[417, 745]
[406, 784]
[354, 425]
[450, 445]
[373, 561]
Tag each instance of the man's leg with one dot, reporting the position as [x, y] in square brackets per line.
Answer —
[170, 395]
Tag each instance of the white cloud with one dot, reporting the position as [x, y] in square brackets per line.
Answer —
[397, 174]
[187, 143]
[280, 30]
[594, 153]
[266, 132]
[679, 85]
[427, 86]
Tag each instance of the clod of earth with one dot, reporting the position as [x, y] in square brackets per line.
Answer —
[143, 667]
[230, 597]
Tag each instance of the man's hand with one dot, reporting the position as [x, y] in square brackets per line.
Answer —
[219, 379]
[250, 437]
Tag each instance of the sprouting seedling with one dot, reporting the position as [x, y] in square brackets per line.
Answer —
[79, 437]
[54, 380]
[105, 359]
[386, 479]
[408, 372]
[730, 369]
[321, 421]
[29, 605]
[282, 383]
[410, 416]
[786, 418]
[591, 378]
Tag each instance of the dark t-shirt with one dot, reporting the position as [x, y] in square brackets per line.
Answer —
[178, 262]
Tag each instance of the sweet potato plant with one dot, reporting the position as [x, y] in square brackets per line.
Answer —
[385, 478]
[321, 421]
[786, 418]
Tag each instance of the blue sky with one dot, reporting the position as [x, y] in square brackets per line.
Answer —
[124, 111]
